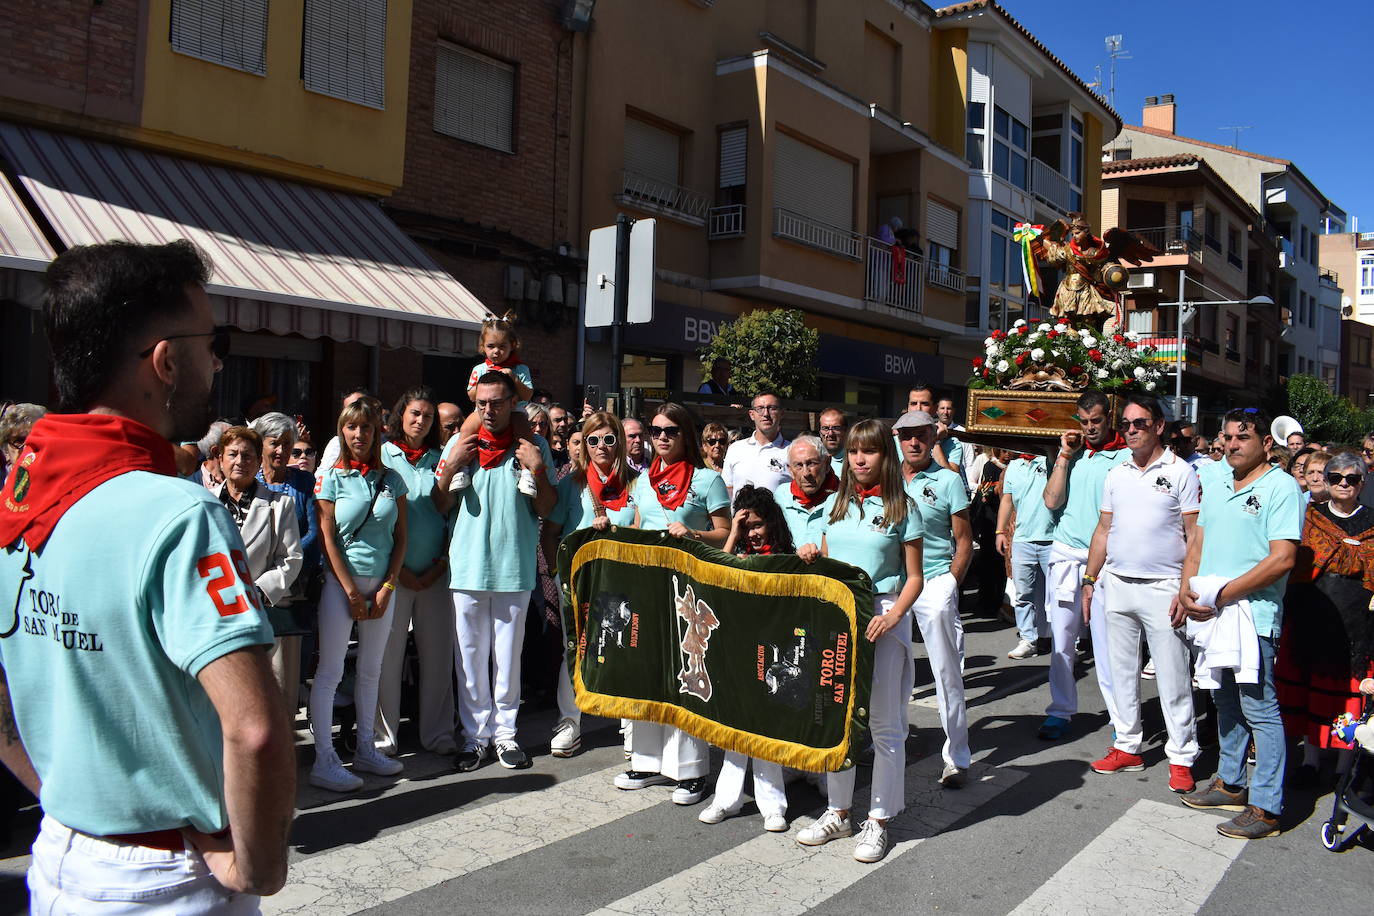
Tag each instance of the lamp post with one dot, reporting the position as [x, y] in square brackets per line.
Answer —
[1186, 310]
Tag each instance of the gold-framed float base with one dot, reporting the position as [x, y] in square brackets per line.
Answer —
[1059, 409]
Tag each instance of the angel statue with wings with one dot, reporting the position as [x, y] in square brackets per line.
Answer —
[1093, 273]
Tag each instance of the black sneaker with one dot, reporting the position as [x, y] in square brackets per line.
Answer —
[509, 755]
[689, 791]
[470, 757]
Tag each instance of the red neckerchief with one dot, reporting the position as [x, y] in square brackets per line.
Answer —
[67, 456]
[671, 482]
[750, 550]
[810, 502]
[412, 454]
[866, 492]
[1116, 442]
[1026, 456]
[492, 447]
[610, 492]
[362, 467]
[1099, 255]
[510, 362]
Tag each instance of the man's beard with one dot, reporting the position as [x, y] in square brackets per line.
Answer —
[190, 413]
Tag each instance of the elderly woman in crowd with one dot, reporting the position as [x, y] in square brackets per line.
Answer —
[1297, 466]
[15, 424]
[1327, 643]
[715, 439]
[1314, 477]
[271, 537]
[539, 419]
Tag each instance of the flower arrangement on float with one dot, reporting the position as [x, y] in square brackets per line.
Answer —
[1060, 357]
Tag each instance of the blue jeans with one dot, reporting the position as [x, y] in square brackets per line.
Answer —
[1252, 710]
[1030, 561]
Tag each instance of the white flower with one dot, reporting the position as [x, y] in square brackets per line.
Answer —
[1089, 340]
[1101, 373]
[1117, 364]
[1037, 354]
[989, 342]
[1057, 353]
[1132, 335]
[1044, 327]
[1003, 366]
[1061, 327]
[1018, 322]
[1139, 371]
[1149, 386]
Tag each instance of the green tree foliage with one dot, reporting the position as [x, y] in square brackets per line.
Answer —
[1324, 416]
[769, 350]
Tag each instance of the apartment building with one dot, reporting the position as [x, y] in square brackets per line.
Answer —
[775, 147]
[1347, 276]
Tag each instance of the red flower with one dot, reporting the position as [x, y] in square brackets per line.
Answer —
[977, 362]
[1021, 359]
[1129, 381]
[1095, 355]
[1130, 345]
[998, 334]
[1025, 329]
[1075, 370]
[1118, 338]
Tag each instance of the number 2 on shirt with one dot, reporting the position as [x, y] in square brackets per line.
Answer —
[223, 575]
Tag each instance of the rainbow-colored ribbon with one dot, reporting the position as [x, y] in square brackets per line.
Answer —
[1025, 233]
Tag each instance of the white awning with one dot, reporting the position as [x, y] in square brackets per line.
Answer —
[288, 257]
[22, 243]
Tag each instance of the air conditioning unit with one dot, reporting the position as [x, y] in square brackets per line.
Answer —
[1145, 280]
[515, 282]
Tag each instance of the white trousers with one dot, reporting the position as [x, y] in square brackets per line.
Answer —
[770, 793]
[567, 697]
[1064, 604]
[336, 626]
[887, 722]
[656, 748]
[73, 874]
[1141, 606]
[491, 631]
[937, 616]
[430, 612]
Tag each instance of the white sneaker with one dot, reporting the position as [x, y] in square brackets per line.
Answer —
[1148, 672]
[567, 739]
[952, 777]
[329, 773]
[714, 814]
[775, 823]
[461, 481]
[1024, 649]
[871, 845]
[367, 759]
[526, 484]
[830, 827]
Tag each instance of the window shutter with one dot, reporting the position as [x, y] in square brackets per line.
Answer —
[733, 157]
[812, 183]
[1141, 322]
[942, 225]
[345, 50]
[474, 97]
[228, 32]
[652, 152]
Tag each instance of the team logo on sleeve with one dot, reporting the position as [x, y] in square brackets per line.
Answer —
[1252, 504]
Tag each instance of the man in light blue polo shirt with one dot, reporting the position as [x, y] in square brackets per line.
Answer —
[1023, 495]
[801, 497]
[1248, 534]
[940, 496]
[1074, 489]
[492, 569]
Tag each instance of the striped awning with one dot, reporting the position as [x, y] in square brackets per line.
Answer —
[288, 257]
[22, 243]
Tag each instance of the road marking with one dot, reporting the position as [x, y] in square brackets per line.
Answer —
[773, 874]
[363, 875]
[1154, 858]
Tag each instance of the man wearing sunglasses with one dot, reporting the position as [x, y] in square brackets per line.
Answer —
[1150, 504]
[1183, 442]
[760, 459]
[169, 753]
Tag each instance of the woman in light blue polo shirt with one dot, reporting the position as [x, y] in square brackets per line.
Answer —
[676, 494]
[872, 523]
[362, 506]
[597, 494]
[422, 597]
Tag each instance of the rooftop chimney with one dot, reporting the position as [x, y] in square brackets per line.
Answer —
[1160, 113]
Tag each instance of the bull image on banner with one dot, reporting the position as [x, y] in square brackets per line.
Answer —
[764, 655]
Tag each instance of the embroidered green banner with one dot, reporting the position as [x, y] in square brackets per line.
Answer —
[764, 655]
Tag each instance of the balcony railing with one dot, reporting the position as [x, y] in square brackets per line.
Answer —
[795, 227]
[946, 277]
[725, 222]
[672, 200]
[1172, 239]
[883, 283]
[1166, 350]
[1329, 276]
[1050, 186]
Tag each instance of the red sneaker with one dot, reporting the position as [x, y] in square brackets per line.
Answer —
[1181, 779]
[1118, 761]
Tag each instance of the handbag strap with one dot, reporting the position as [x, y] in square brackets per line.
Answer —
[350, 538]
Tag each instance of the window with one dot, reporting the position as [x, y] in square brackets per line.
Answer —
[344, 51]
[1233, 246]
[228, 32]
[813, 183]
[652, 153]
[1141, 322]
[734, 144]
[1303, 242]
[1212, 229]
[474, 97]
[1185, 220]
[1005, 270]
[1367, 276]
[942, 234]
[1361, 351]
[1009, 149]
[977, 134]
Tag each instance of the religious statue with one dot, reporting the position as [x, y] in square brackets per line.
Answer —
[1093, 274]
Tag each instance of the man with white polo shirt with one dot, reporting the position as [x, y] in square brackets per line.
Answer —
[1074, 490]
[834, 429]
[801, 497]
[1150, 504]
[1028, 544]
[940, 496]
[760, 459]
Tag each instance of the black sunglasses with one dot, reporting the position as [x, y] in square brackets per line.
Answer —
[1350, 480]
[219, 344]
[302, 453]
[1140, 423]
[665, 432]
[716, 440]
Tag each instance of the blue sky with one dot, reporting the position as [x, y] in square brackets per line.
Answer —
[1290, 71]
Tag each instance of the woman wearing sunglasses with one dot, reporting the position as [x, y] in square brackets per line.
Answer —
[681, 497]
[1328, 648]
[715, 439]
[596, 494]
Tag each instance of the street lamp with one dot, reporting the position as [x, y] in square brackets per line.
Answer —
[1186, 310]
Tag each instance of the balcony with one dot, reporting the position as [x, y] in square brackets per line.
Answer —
[1288, 257]
[882, 284]
[673, 201]
[804, 230]
[945, 277]
[1328, 276]
[1172, 239]
[1050, 186]
[1166, 350]
[725, 222]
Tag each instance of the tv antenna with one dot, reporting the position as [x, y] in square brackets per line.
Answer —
[1235, 132]
[1116, 52]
